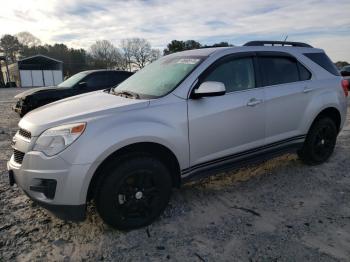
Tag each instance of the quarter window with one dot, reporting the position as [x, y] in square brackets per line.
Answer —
[278, 70]
[323, 60]
[236, 74]
[304, 73]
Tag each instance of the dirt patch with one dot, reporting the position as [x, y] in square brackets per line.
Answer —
[280, 210]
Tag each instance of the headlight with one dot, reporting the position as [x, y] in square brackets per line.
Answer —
[55, 140]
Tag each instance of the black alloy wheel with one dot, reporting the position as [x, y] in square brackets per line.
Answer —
[320, 142]
[134, 193]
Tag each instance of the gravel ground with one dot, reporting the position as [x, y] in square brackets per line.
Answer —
[280, 210]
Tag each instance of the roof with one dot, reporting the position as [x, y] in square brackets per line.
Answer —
[211, 51]
[104, 70]
[34, 57]
[252, 46]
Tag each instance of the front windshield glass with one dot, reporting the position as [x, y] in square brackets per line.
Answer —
[73, 80]
[160, 77]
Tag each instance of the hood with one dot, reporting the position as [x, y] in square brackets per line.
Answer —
[81, 108]
[37, 90]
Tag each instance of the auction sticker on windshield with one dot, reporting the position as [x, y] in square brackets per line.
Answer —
[188, 61]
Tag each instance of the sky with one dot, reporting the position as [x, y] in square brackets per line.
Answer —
[324, 23]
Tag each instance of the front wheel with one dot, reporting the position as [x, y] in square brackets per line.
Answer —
[133, 193]
[320, 142]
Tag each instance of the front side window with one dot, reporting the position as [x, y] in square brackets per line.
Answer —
[161, 77]
[237, 74]
[278, 70]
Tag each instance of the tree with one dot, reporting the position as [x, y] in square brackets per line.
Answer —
[341, 64]
[11, 47]
[126, 47]
[106, 54]
[27, 39]
[178, 46]
[138, 52]
[155, 55]
[191, 44]
[221, 44]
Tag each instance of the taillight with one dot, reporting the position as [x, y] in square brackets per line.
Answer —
[345, 85]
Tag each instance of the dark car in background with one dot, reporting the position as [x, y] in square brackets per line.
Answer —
[345, 72]
[83, 82]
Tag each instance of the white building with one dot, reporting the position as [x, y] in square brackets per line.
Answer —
[34, 71]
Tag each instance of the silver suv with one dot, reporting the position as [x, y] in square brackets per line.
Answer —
[186, 115]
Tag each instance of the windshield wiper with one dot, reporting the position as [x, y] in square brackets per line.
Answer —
[126, 94]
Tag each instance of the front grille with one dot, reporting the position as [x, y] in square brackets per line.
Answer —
[18, 156]
[24, 133]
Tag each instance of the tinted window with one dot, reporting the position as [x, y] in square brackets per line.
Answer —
[116, 78]
[97, 80]
[323, 60]
[304, 73]
[236, 74]
[278, 70]
[346, 68]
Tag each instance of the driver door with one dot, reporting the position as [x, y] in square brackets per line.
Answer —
[222, 126]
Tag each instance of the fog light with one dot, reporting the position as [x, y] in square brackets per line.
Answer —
[45, 186]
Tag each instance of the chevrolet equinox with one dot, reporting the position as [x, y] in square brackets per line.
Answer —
[187, 115]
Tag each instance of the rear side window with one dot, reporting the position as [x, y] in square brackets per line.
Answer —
[97, 80]
[237, 74]
[323, 60]
[278, 70]
[116, 78]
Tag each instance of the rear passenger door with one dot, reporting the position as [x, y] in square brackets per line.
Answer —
[286, 88]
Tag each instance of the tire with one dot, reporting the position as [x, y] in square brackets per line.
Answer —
[320, 142]
[134, 192]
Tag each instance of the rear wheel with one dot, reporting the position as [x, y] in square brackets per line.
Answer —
[320, 142]
[133, 193]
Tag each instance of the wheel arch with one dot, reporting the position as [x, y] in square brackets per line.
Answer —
[160, 151]
[331, 112]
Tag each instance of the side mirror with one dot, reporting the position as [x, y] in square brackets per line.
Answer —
[209, 88]
[82, 84]
[345, 73]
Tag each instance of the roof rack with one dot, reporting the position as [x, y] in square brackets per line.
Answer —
[276, 43]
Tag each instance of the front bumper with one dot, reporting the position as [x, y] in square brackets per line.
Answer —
[66, 198]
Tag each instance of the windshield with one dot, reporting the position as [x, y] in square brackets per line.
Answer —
[346, 68]
[160, 77]
[73, 80]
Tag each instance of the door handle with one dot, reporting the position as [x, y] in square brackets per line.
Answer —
[254, 102]
[307, 89]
